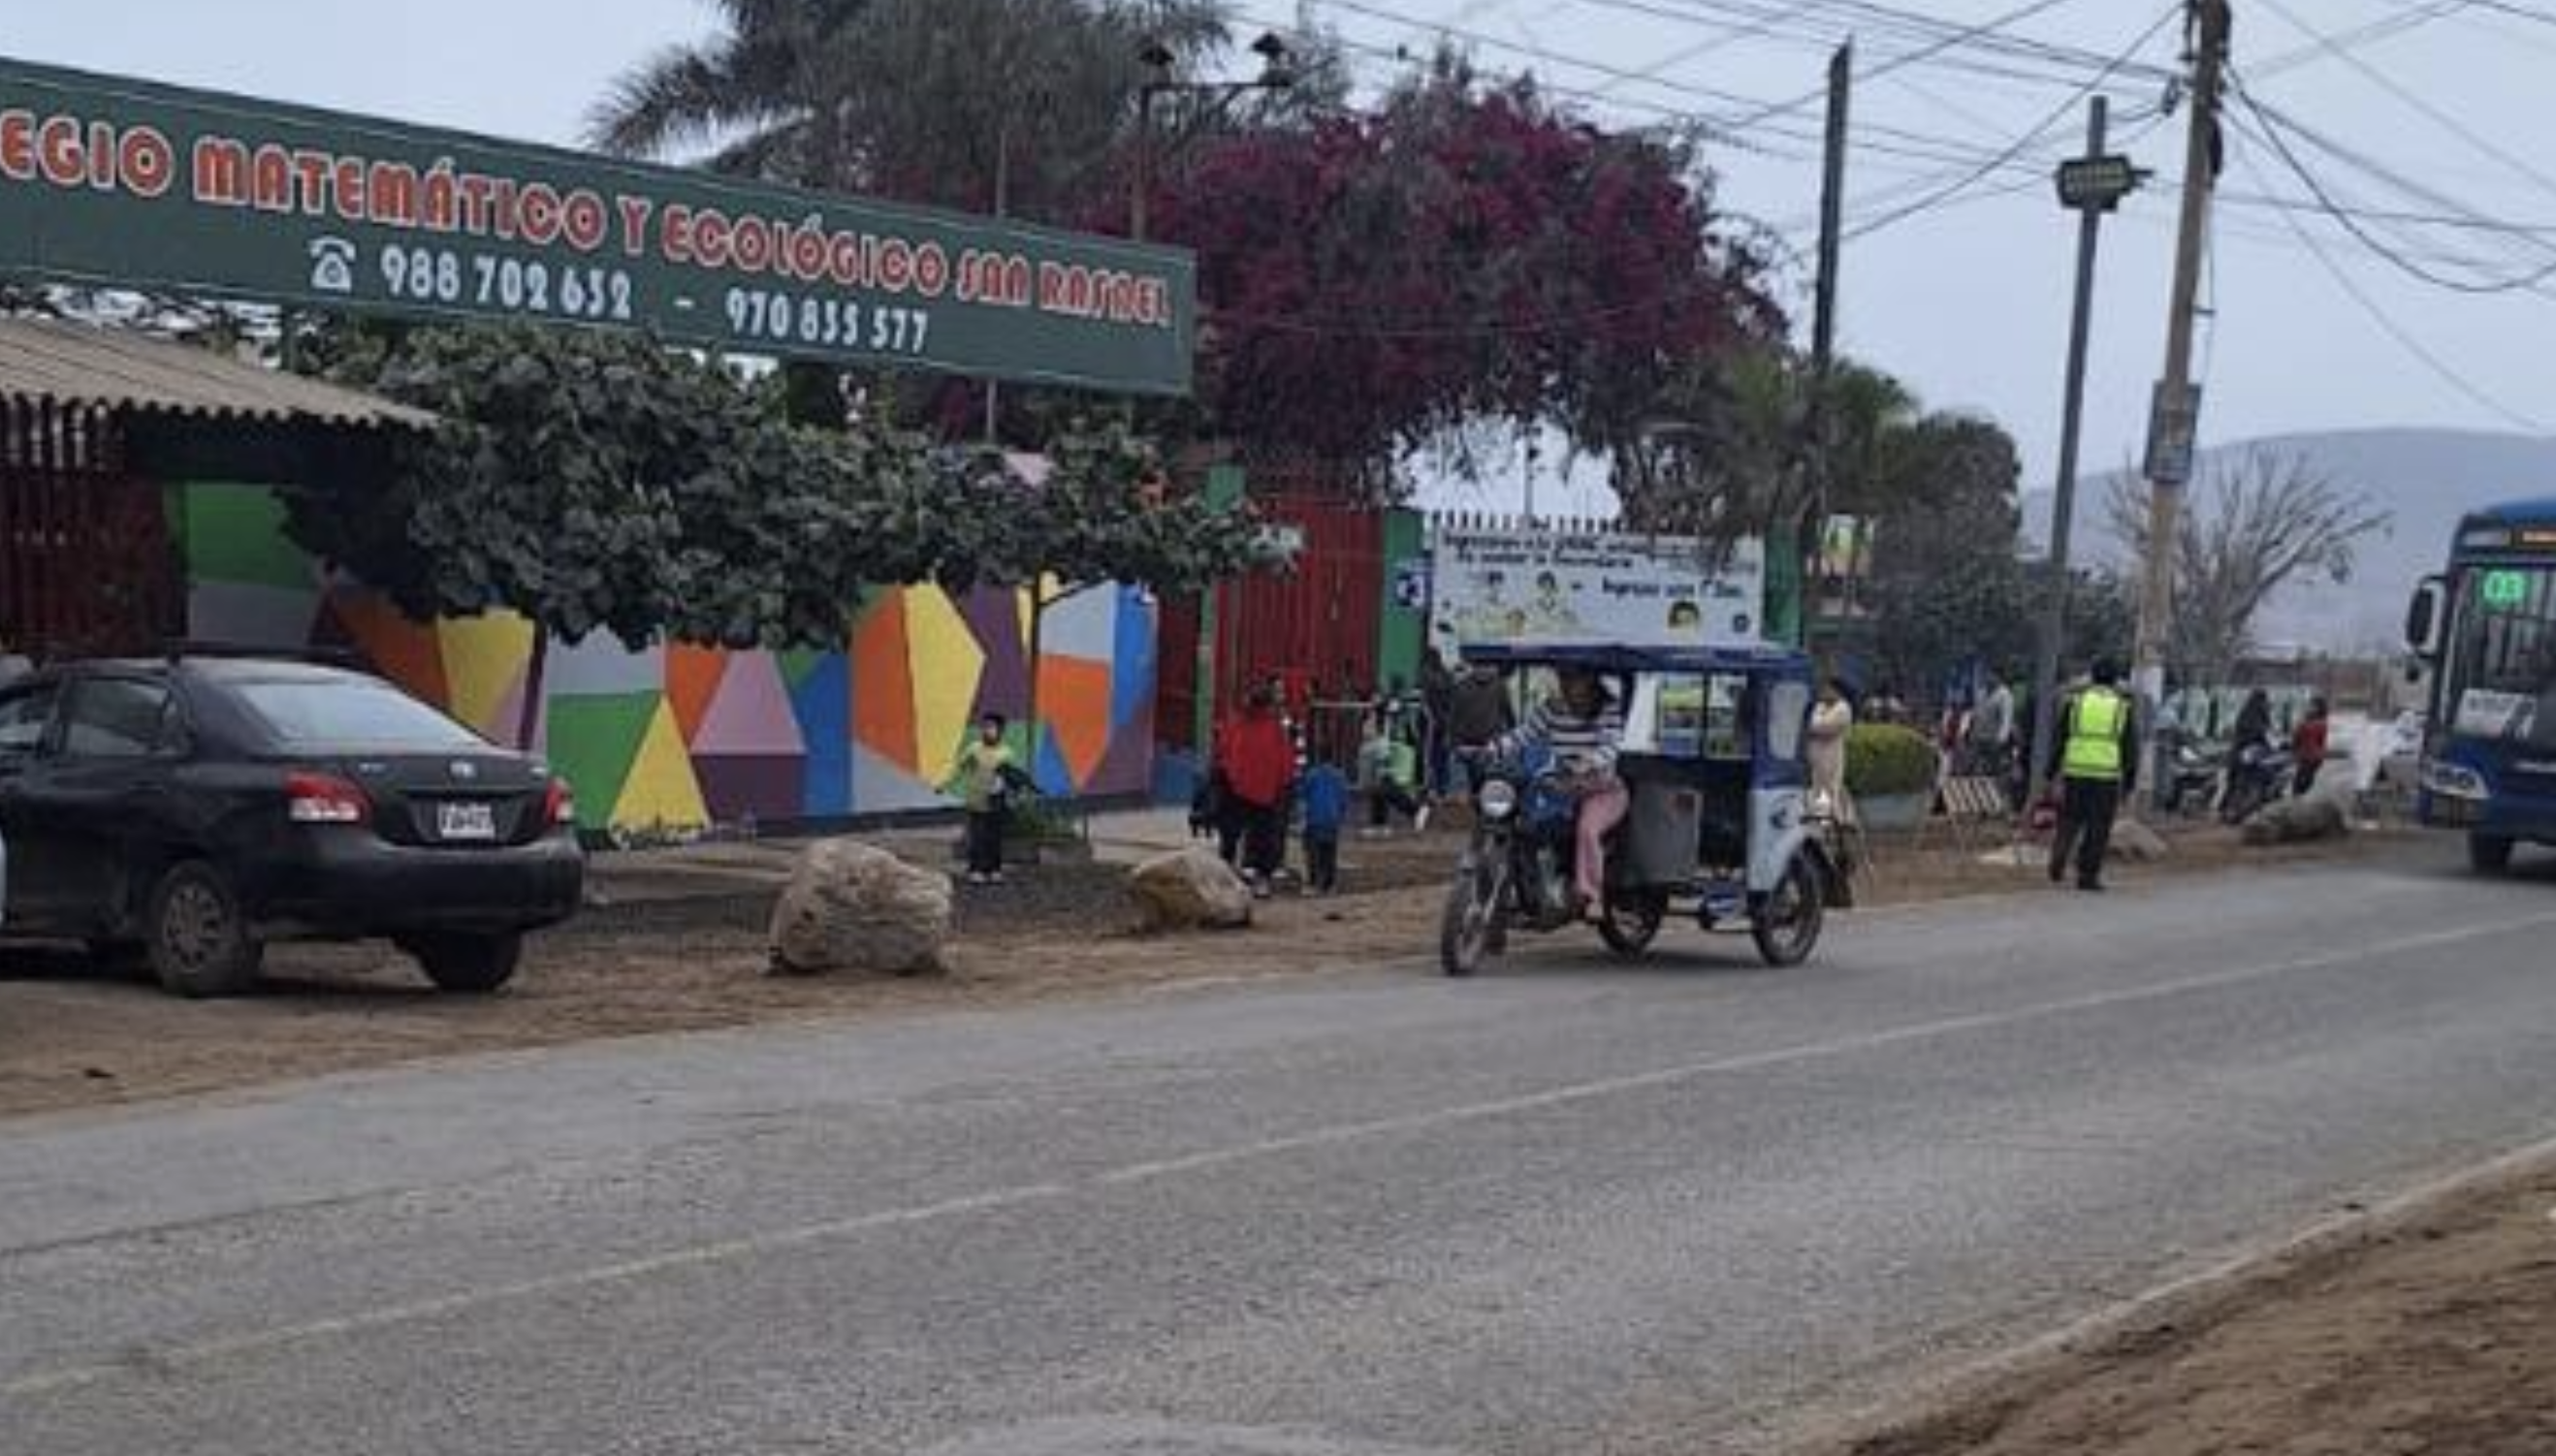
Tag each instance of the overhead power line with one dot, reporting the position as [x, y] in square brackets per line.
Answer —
[2270, 127]
[2513, 9]
[1722, 41]
[1711, 108]
[1993, 49]
[2022, 143]
[2416, 102]
[2404, 337]
[1901, 61]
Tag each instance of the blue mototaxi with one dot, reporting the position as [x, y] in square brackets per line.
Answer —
[1724, 826]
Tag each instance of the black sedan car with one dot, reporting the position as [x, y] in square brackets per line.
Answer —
[192, 809]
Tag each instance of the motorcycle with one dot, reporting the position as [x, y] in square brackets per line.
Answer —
[2193, 777]
[1517, 871]
[2258, 774]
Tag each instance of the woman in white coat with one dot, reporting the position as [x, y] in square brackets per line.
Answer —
[1831, 720]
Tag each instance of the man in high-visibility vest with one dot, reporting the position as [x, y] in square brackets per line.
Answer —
[2094, 757]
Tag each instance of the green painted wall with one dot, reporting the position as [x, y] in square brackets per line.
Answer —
[1402, 632]
[1226, 486]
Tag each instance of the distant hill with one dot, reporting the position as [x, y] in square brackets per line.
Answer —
[2425, 478]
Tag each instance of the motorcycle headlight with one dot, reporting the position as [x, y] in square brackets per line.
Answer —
[1498, 800]
[2453, 781]
[1822, 804]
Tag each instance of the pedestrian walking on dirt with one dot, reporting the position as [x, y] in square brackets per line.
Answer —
[1257, 762]
[1479, 712]
[1326, 796]
[1389, 769]
[2094, 757]
[1991, 728]
[2310, 744]
[1436, 706]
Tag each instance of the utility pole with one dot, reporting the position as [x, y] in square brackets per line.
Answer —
[2093, 185]
[1140, 188]
[1002, 209]
[1823, 327]
[2175, 415]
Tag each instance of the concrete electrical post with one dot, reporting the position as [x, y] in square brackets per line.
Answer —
[2175, 414]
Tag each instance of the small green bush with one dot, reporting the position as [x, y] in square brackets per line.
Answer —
[1041, 821]
[1884, 761]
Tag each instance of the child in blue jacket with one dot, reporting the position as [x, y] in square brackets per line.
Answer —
[1325, 791]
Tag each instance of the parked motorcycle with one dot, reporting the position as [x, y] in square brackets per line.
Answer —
[2194, 778]
[2258, 774]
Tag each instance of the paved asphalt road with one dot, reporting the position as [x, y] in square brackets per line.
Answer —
[1568, 1208]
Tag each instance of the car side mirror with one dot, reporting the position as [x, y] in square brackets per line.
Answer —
[2424, 618]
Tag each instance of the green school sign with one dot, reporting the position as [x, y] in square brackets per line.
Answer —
[114, 183]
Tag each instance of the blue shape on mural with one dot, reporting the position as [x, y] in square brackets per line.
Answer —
[1054, 778]
[823, 703]
[1131, 660]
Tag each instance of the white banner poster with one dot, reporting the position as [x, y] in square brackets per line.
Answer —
[1503, 584]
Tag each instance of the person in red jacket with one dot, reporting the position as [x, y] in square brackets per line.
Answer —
[1255, 761]
[2308, 744]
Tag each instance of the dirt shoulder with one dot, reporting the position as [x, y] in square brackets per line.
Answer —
[72, 1037]
[2431, 1334]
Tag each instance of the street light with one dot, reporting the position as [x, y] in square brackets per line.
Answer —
[1277, 74]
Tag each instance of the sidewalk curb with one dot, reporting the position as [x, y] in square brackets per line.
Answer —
[1964, 1405]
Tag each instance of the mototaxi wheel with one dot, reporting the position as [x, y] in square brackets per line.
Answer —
[1469, 930]
[1787, 925]
[1630, 921]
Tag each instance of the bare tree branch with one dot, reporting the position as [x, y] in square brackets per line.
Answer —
[2254, 525]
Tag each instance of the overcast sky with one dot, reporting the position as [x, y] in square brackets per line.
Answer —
[1967, 301]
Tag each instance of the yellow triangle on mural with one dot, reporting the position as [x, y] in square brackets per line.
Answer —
[484, 659]
[662, 792]
[947, 666]
[1049, 589]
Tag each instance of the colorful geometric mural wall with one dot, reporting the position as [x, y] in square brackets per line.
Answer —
[678, 737]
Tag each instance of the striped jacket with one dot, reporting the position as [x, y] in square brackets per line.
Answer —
[1581, 744]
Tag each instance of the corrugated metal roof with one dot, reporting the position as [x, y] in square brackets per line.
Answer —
[75, 364]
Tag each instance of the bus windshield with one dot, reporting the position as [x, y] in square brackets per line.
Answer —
[2505, 653]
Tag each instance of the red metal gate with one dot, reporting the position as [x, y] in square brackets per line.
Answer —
[85, 559]
[1314, 629]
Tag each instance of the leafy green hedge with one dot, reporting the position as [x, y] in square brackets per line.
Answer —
[1883, 761]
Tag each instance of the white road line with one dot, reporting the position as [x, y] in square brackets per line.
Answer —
[731, 1250]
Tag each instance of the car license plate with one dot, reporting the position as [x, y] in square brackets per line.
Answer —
[466, 821]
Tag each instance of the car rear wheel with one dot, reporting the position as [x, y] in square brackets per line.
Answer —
[200, 943]
[471, 965]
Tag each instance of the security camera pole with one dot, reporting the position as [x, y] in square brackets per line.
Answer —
[2090, 186]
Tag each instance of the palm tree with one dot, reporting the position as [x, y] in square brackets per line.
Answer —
[922, 100]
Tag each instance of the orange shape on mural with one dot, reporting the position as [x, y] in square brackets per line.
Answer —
[692, 677]
[1074, 707]
[399, 650]
[883, 684]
